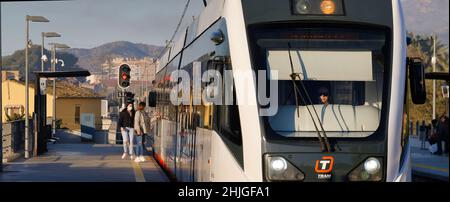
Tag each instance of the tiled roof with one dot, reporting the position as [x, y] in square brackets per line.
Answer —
[66, 90]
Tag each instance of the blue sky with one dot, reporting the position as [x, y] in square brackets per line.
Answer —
[428, 16]
[90, 23]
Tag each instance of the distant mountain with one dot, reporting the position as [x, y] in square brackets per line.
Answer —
[93, 58]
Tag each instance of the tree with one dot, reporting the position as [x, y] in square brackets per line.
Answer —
[422, 47]
[16, 61]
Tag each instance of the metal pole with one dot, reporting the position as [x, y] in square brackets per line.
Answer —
[123, 98]
[35, 127]
[434, 60]
[446, 105]
[27, 121]
[146, 77]
[35, 123]
[1, 118]
[141, 85]
[42, 52]
[54, 92]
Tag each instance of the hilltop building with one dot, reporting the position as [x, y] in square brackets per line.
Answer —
[141, 69]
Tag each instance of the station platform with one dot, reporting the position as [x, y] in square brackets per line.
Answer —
[82, 163]
[425, 164]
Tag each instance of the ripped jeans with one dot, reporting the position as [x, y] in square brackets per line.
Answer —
[128, 140]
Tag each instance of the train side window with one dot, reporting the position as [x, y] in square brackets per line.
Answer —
[228, 121]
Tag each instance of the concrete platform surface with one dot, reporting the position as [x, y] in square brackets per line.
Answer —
[426, 164]
[82, 163]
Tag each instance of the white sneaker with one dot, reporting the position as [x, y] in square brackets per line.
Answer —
[137, 160]
[124, 155]
[142, 158]
[132, 157]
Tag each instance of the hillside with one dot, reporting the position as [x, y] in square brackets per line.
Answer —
[92, 59]
[16, 61]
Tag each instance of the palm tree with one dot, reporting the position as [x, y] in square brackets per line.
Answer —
[422, 46]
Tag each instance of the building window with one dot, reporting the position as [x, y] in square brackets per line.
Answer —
[77, 114]
[14, 112]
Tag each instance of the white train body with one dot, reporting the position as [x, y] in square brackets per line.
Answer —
[236, 143]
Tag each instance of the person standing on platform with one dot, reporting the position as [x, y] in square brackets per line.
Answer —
[442, 134]
[126, 124]
[142, 127]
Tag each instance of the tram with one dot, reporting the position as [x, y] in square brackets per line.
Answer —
[338, 70]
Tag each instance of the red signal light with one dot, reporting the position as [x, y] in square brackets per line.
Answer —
[124, 76]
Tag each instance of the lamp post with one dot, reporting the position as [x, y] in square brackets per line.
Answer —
[27, 99]
[54, 62]
[46, 35]
[433, 61]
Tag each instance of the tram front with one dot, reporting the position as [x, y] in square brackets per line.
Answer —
[340, 68]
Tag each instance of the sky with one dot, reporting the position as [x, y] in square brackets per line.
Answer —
[427, 16]
[90, 23]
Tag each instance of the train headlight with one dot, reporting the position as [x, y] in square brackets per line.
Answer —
[278, 164]
[279, 169]
[369, 170]
[372, 165]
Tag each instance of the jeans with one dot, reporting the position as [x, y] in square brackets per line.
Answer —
[139, 145]
[439, 145]
[128, 140]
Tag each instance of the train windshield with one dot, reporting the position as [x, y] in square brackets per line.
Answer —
[338, 79]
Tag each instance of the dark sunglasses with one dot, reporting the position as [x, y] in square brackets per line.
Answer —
[324, 94]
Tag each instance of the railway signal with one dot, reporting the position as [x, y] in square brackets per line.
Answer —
[124, 76]
[129, 97]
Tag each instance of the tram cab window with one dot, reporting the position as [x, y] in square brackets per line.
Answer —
[349, 63]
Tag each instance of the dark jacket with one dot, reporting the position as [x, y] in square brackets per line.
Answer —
[125, 119]
[442, 128]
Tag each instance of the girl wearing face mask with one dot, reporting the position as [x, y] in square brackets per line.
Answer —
[126, 124]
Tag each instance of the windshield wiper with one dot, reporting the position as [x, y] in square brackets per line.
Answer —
[322, 140]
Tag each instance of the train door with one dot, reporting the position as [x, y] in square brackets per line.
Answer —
[202, 120]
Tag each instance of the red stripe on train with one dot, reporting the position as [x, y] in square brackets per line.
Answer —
[164, 166]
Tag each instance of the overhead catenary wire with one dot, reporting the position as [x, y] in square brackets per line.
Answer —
[173, 34]
[176, 29]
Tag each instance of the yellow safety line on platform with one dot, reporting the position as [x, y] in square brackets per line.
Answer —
[431, 167]
[138, 174]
